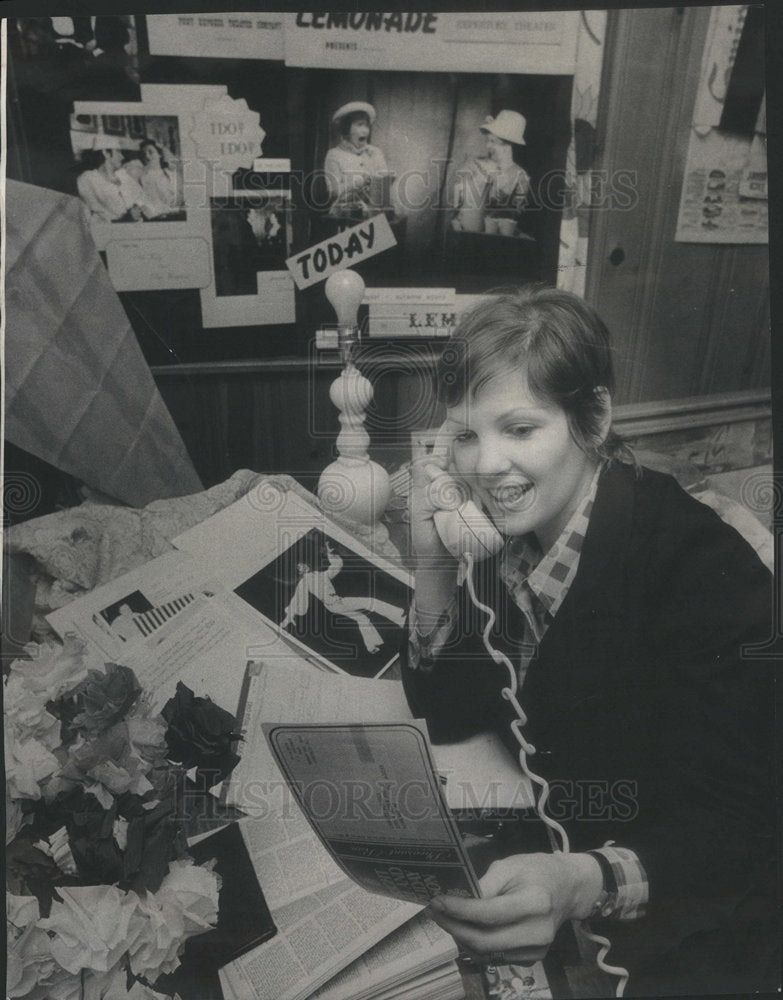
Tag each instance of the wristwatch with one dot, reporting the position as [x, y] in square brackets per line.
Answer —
[606, 904]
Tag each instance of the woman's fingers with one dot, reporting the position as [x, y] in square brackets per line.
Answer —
[524, 901]
[524, 940]
[497, 911]
[426, 468]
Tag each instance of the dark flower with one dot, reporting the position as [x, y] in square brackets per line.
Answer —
[90, 828]
[155, 837]
[30, 872]
[101, 700]
[200, 734]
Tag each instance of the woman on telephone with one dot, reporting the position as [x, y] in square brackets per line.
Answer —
[624, 605]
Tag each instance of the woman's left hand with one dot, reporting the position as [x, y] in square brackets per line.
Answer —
[525, 899]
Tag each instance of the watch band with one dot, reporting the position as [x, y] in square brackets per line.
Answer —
[606, 904]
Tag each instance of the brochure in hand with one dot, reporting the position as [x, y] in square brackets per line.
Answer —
[373, 797]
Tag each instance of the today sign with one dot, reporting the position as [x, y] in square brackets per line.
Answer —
[345, 249]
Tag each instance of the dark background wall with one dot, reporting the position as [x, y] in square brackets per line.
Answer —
[687, 320]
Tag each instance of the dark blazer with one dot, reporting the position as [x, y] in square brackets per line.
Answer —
[654, 729]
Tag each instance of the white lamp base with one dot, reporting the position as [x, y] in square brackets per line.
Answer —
[356, 490]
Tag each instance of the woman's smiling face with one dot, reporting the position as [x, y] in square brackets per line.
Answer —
[517, 453]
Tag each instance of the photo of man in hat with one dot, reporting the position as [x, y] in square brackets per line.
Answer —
[491, 190]
[351, 164]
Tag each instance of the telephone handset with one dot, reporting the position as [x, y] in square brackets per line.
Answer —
[463, 527]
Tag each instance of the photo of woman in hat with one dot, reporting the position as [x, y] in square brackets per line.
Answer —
[352, 162]
[491, 190]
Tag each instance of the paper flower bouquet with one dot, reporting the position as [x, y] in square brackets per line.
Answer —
[101, 892]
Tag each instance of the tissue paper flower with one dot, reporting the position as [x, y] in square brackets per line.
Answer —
[20, 911]
[61, 851]
[90, 829]
[53, 669]
[28, 763]
[26, 714]
[147, 733]
[192, 890]
[29, 962]
[31, 971]
[200, 734]
[109, 760]
[102, 698]
[186, 904]
[93, 926]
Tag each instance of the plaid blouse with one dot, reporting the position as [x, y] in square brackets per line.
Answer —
[538, 583]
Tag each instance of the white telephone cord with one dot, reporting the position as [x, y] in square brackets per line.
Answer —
[526, 750]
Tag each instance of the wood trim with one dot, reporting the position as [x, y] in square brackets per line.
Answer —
[371, 354]
[639, 419]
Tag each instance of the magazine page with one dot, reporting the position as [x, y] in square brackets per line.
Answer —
[328, 595]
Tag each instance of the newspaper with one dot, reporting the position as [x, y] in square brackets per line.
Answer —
[317, 936]
[275, 690]
[415, 951]
[170, 621]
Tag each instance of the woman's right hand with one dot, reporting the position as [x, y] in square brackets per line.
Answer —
[426, 546]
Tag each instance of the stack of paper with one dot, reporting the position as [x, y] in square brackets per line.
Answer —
[418, 960]
[315, 934]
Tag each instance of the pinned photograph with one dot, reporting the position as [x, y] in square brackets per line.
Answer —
[251, 234]
[129, 167]
[469, 170]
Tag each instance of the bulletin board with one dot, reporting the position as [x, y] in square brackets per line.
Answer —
[220, 127]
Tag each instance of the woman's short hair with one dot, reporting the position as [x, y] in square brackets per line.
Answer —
[344, 123]
[560, 342]
[90, 159]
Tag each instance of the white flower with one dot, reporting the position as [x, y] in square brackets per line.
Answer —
[31, 684]
[32, 971]
[92, 926]
[160, 936]
[28, 763]
[25, 713]
[185, 904]
[20, 911]
[53, 669]
[147, 736]
[30, 961]
[194, 890]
